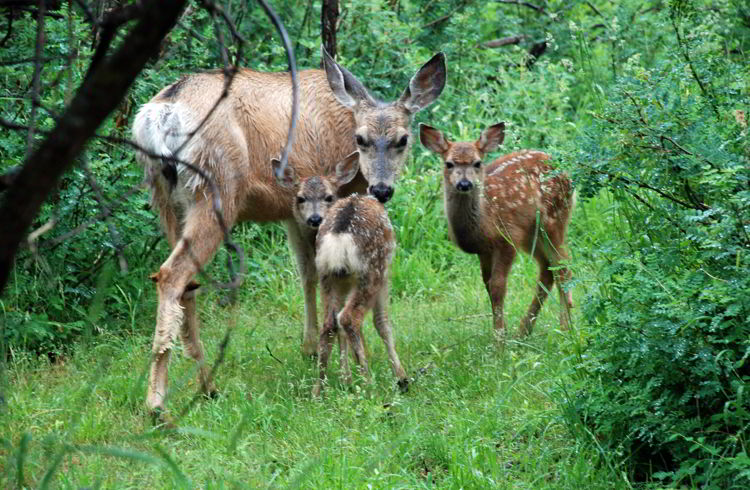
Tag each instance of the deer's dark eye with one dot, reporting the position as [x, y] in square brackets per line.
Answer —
[449, 165]
[402, 142]
[300, 199]
[477, 164]
[329, 198]
[362, 142]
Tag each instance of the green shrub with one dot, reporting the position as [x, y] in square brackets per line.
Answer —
[663, 380]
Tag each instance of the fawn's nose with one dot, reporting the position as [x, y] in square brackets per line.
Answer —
[381, 192]
[464, 185]
[315, 220]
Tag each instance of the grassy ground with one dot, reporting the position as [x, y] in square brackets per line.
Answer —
[477, 415]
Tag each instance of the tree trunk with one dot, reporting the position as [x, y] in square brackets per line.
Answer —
[329, 16]
[97, 97]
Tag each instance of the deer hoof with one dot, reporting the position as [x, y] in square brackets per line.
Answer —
[403, 385]
[161, 419]
[212, 394]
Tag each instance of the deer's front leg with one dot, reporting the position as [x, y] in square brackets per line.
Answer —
[304, 252]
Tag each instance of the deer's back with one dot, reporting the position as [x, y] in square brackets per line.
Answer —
[236, 139]
[356, 238]
[516, 187]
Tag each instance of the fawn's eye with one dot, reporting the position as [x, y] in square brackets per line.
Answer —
[402, 142]
[449, 165]
[361, 142]
[329, 198]
[300, 199]
[477, 164]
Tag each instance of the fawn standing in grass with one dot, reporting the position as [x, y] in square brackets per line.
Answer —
[314, 197]
[511, 203]
[354, 245]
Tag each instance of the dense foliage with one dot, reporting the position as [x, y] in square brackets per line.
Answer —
[667, 365]
[645, 103]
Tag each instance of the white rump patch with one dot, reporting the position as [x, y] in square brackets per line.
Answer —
[337, 253]
[163, 129]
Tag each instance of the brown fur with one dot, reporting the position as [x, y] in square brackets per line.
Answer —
[233, 145]
[497, 215]
[353, 257]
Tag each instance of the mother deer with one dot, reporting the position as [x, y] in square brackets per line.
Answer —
[234, 146]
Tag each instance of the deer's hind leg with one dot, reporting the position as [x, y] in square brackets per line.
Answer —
[200, 238]
[327, 334]
[383, 326]
[352, 315]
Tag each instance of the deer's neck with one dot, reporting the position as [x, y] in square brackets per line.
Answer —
[464, 213]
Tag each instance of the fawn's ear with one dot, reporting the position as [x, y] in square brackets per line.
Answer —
[285, 177]
[347, 169]
[433, 139]
[491, 138]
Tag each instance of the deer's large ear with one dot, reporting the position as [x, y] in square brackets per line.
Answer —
[285, 177]
[432, 139]
[345, 87]
[425, 86]
[491, 138]
[347, 169]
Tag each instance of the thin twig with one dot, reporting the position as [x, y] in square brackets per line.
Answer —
[274, 357]
[295, 84]
[504, 41]
[525, 4]
[36, 81]
[99, 197]
[10, 28]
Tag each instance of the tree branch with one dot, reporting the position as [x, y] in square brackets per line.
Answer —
[97, 97]
[504, 41]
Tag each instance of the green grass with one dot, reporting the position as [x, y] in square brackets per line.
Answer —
[477, 415]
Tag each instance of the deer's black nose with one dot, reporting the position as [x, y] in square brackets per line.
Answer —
[464, 185]
[381, 192]
[315, 220]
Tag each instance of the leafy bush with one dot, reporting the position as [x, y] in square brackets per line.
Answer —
[664, 377]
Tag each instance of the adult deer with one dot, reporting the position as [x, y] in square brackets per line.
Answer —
[512, 203]
[233, 146]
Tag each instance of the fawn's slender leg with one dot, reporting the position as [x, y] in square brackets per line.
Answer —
[383, 326]
[351, 319]
[544, 284]
[330, 326]
[502, 260]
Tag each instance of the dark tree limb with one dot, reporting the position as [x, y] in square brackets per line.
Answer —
[9, 30]
[504, 41]
[535, 52]
[97, 97]
[329, 15]
[525, 4]
[36, 82]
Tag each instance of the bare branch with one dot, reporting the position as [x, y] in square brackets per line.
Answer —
[504, 41]
[592, 7]
[525, 4]
[295, 84]
[36, 80]
[99, 197]
[9, 29]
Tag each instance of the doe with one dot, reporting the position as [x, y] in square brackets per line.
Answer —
[512, 203]
[230, 133]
